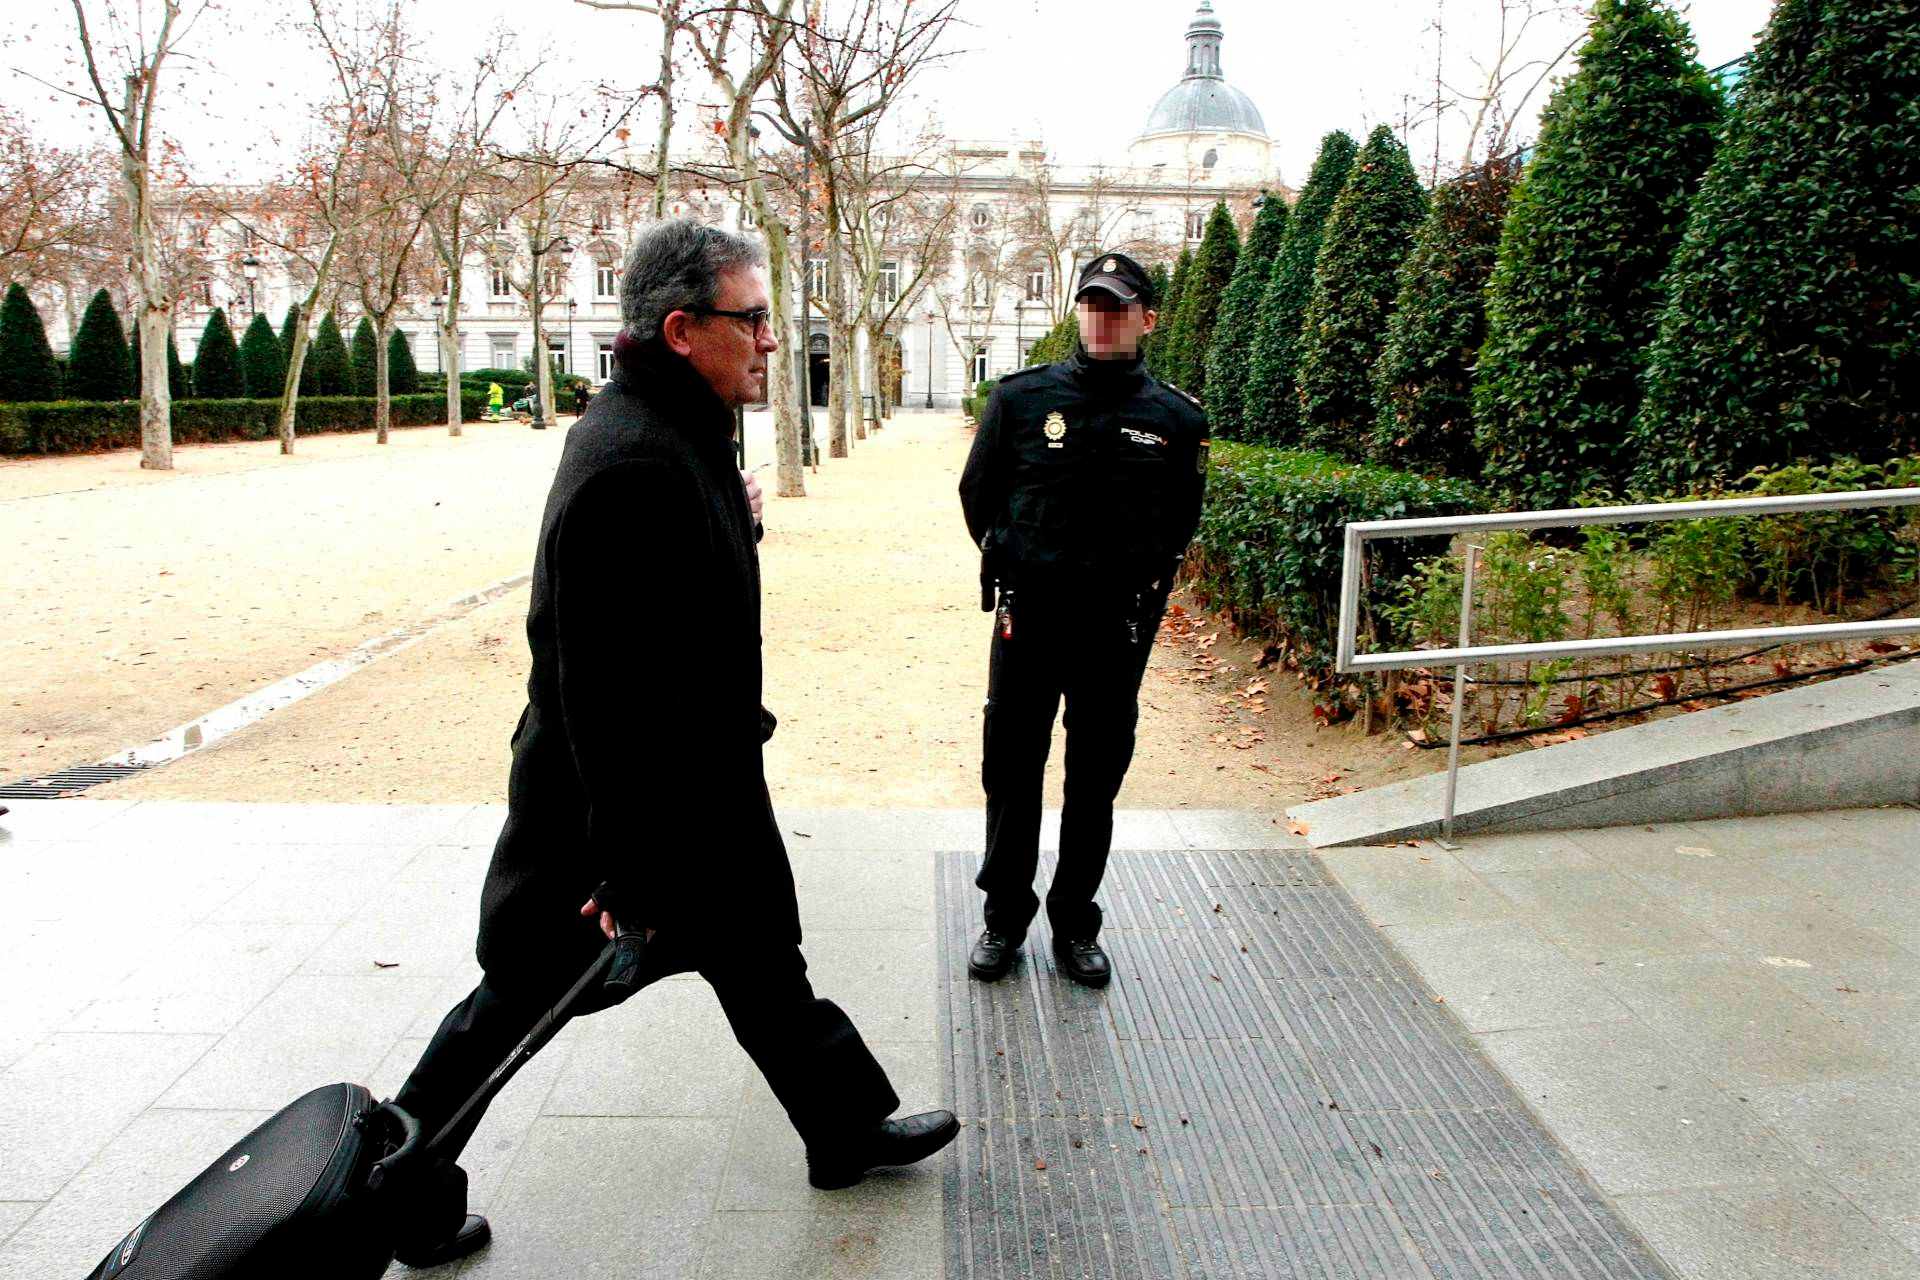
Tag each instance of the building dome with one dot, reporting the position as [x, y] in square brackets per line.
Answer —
[1203, 102]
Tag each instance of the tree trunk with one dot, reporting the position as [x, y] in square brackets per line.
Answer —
[290, 392]
[838, 360]
[791, 473]
[662, 169]
[154, 302]
[382, 401]
[449, 337]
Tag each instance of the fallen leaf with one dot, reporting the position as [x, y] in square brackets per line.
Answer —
[1298, 828]
[1852, 991]
[1039, 1164]
[1138, 1123]
[386, 964]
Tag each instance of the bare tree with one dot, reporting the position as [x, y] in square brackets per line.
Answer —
[1518, 65]
[672, 22]
[123, 51]
[756, 32]
[900, 240]
[381, 269]
[839, 79]
[440, 141]
[56, 208]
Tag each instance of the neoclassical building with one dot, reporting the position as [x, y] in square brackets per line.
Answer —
[1024, 221]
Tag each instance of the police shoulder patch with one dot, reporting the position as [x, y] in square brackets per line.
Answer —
[1184, 395]
[1022, 373]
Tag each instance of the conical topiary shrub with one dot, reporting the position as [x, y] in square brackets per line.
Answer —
[1423, 381]
[1355, 279]
[263, 366]
[1206, 285]
[1162, 340]
[216, 365]
[403, 376]
[27, 368]
[365, 352]
[327, 357]
[99, 366]
[179, 386]
[1574, 296]
[1791, 323]
[1269, 409]
[1233, 329]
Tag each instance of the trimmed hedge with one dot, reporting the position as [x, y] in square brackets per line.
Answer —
[77, 426]
[1270, 540]
[976, 404]
[27, 367]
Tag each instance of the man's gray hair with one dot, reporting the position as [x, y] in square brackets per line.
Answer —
[678, 264]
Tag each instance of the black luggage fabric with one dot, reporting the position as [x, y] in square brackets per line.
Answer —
[254, 1210]
[311, 1191]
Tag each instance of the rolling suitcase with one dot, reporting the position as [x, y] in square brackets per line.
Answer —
[316, 1189]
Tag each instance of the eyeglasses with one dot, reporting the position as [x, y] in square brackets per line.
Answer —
[756, 319]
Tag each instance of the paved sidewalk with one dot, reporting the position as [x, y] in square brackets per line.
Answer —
[1718, 1023]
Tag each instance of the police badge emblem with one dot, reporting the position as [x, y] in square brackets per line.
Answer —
[1109, 265]
[1055, 428]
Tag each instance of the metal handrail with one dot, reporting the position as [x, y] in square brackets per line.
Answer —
[1360, 532]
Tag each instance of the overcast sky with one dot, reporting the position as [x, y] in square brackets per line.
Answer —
[1081, 75]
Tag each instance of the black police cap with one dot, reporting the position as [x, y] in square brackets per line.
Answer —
[1119, 275]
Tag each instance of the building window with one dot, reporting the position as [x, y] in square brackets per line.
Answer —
[603, 281]
[604, 361]
[746, 216]
[1143, 224]
[979, 363]
[889, 282]
[502, 347]
[553, 281]
[817, 277]
[1209, 160]
[557, 354]
[1036, 284]
[1196, 225]
[979, 289]
[497, 283]
[982, 217]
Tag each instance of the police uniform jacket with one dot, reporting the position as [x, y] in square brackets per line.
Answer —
[1085, 478]
[637, 761]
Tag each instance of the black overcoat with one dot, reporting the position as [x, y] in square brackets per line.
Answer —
[638, 758]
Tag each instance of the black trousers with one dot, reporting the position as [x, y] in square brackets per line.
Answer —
[1089, 658]
[810, 1053]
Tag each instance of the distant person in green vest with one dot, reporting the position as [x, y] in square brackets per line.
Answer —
[496, 400]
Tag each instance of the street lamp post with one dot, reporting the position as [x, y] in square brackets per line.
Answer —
[250, 267]
[541, 373]
[1019, 332]
[571, 304]
[929, 357]
[439, 305]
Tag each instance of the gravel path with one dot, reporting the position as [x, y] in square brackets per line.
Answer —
[156, 598]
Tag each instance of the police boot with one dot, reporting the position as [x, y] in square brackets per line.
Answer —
[1083, 960]
[992, 956]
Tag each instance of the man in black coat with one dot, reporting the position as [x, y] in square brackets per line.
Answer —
[638, 786]
[1082, 490]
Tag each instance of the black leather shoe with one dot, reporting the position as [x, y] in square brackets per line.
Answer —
[892, 1142]
[470, 1238]
[1082, 960]
[992, 956]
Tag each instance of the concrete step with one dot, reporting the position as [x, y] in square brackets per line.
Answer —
[1852, 742]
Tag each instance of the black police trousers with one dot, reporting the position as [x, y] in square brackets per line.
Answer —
[810, 1053]
[1090, 658]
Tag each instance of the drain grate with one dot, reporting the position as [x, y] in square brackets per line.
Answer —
[67, 782]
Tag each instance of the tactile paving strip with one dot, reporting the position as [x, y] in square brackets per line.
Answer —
[1266, 1090]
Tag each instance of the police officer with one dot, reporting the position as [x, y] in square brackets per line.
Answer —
[1082, 490]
